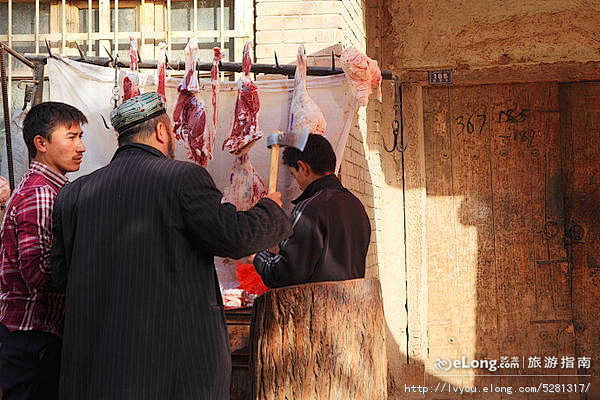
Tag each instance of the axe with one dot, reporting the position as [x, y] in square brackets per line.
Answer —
[276, 140]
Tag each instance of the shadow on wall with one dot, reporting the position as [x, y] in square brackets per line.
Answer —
[509, 227]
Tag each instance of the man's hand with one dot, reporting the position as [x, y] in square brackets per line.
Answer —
[276, 197]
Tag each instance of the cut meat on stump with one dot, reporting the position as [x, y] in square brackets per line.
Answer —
[190, 112]
[305, 114]
[244, 131]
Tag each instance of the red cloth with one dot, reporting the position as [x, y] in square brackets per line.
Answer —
[249, 279]
[27, 302]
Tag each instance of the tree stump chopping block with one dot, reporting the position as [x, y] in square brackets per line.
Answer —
[320, 341]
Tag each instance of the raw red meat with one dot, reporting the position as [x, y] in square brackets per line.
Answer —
[362, 73]
[162, 70]
[305, 114]
[244, 132]
[131, 80]
[190, 113]
[247, 187]
[190, 127]
[214, 80]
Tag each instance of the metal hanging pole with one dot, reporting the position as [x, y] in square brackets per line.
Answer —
[11, 172]
[226, 66]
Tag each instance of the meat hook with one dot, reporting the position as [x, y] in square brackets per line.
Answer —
[103, 120]
[397, 123]
[49, 51]
[332, 61]
[80, 52]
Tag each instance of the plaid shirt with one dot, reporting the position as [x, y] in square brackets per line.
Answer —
[27, 302]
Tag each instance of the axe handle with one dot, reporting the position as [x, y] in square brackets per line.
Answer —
[274, 168]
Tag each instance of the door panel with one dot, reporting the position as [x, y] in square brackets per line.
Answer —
[580, 107]
[499, 279]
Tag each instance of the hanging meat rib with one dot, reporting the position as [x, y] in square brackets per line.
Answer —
[244, 131]
[215, 83]
[305, 114]
[247, 187]
[362, 73]
[189, 114]
[132, 80]
[245, 190]
[161, 70]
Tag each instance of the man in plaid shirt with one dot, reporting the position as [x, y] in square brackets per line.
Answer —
[31, 311]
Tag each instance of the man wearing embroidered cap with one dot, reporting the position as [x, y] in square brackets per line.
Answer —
[134, 248]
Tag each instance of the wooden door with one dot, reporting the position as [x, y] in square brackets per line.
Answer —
[580, 121]
[499, 278]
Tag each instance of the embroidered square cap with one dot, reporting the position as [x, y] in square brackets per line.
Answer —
[137, 110]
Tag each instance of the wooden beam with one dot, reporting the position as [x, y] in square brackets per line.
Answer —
[104, 25]
[571, 71]
[413, 160]
[38, 91]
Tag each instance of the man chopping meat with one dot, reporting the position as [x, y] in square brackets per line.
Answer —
[331, 228]
[135, 243]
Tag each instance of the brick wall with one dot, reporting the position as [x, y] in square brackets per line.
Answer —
[282, 25]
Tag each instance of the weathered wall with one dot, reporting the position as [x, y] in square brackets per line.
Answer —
[425, 33]
[467, 34]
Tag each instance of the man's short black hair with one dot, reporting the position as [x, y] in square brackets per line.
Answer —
[143, 130]
[45, 117]
[318, 154]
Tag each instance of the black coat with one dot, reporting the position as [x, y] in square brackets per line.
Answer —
[134, 246]
[330, 241]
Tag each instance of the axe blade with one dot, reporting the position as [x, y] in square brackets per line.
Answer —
[288, 139]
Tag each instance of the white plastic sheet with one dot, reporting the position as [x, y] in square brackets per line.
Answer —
[20, 155]
[89, 88]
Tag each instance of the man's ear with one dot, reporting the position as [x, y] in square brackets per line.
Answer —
[161, 132]
[40, 144]
[304, 168]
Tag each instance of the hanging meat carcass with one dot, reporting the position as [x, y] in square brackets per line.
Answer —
[214, 83]
[245, 190]
[362, 73]
[244, 131]
[131, 81]
[189, 113]
[247, 187]
[161, 70]
[305, 114]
